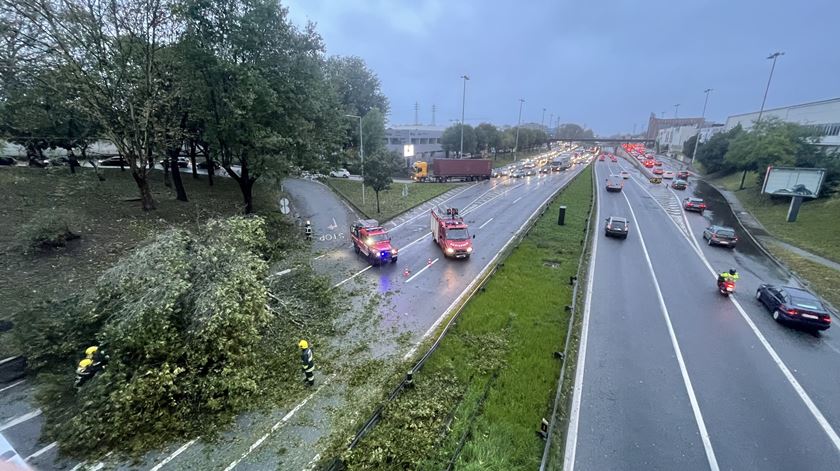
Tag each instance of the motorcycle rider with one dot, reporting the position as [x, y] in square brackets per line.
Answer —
[731, 275]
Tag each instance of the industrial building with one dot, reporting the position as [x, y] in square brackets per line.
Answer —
[424, 139]
[823, 116]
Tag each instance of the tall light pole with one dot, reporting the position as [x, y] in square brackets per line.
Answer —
[542, 121]
[676, 109]
[361, 152]
[551, 122]
[463, 102]
[518, 122]
[702, 119]
[773, 56]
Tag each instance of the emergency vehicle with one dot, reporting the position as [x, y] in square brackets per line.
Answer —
[373, 241]
[449, 231]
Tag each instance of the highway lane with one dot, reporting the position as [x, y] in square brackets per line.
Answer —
[754, 415]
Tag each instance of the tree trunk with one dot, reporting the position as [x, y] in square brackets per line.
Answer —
[122, 162]
[192, 158]
[247, 186]
[211, 168]
[180, 192]
[166, 182]
[93, 163]
[743, 177]
[72, 161]
[246, 183]
[146, 200]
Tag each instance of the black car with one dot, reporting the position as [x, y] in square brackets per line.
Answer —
[720, 235]
[617, 227]
[183, 162]
[679, 184]
[115, 161]
[8, 161]
[203, 165]
[794, 305]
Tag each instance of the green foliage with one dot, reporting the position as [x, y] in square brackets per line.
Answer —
[688, 146]
[573, 131]
[378, 171]
[191, 335]
[451, 139]
[48, 229]
[392, 201]
[487, 137]
[373, 125]
[712, 153]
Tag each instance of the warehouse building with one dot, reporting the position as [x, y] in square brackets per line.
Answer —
[822, 116]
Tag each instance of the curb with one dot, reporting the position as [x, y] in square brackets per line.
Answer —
[832, 309]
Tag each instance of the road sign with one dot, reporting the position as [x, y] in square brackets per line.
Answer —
[284, 206]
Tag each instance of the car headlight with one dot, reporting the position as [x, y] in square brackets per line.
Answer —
[450, 250]
[369, 241]
[469, 249]
[394, 251]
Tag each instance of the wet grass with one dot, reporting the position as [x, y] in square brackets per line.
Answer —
[391, 202]
[110, 224]
[822, 279]
[492, 379]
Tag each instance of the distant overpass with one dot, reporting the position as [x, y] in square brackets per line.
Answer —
[604, 140]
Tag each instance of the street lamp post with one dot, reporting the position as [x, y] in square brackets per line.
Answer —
[676, 109]
[518, 123]
[361, 152]
[542, 121]
[702, 119]
[773, 56]
[463, 102]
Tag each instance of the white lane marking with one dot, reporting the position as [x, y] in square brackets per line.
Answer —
[174, 454]
[486, 223]
[41, 451]
[577, 396]
[517, 199]
[276, 426]
[321, 256]
[692, 397]
[352, 276]
[424, 212]
[20, 419]
[469, 287]
[422, 270]
[13, 385]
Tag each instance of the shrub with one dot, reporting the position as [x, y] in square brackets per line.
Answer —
[48, 229]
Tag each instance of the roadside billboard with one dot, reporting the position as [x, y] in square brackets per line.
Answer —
[789, 181]
[408, 150]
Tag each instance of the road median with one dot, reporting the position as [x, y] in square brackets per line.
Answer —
[402, 197]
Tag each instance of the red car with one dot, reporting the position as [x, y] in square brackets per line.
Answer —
[657, 163]
[657, 171]
[648, 163]
[682, 175]
[601, 158]
[613, 158]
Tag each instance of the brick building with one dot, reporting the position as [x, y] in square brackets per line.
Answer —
[656, 124]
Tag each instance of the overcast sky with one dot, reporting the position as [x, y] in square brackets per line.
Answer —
[604, 63]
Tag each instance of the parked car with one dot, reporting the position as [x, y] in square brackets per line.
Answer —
[183, 162]
[721, 235]
[8, 161]
[794, 305]
[340, 173]
[694, 204]
[679, 184]
[616, 227]
[114, 161]
[203, 165]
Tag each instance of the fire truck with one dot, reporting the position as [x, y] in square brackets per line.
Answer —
[449, 231]
[373, 241]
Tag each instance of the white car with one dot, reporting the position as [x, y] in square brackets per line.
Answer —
[340, 173]
[625, 174]
[668, 174]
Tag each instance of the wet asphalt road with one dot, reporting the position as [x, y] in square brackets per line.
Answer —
[676, 376]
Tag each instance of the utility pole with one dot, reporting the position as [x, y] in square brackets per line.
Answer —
[551, 121]
[434, 109]
[773, 56]
[702, 119]
[416, 113]
[463, 103]
[542, 121]
[676, 109]
[518, 123]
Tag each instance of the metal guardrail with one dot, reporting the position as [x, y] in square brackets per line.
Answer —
[573, 310]
[477, 285]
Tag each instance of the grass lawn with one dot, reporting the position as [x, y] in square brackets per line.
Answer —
[732, 181]
[391, 202]
[822, 278]
[493, 378]
[109, 226]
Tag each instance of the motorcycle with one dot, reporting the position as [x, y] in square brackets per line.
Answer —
[726, 287]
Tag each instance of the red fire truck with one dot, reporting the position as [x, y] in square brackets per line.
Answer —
[450, 232]
[373, 241]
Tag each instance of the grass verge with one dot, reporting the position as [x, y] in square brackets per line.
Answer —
[814, 230]
[822, 278]
[391, 202]
[492, 379]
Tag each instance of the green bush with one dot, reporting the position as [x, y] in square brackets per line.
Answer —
[48, 229]
[191, 334]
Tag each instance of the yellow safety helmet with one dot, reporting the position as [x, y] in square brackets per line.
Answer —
[303, 344]
[85, 363]
[91, 350]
